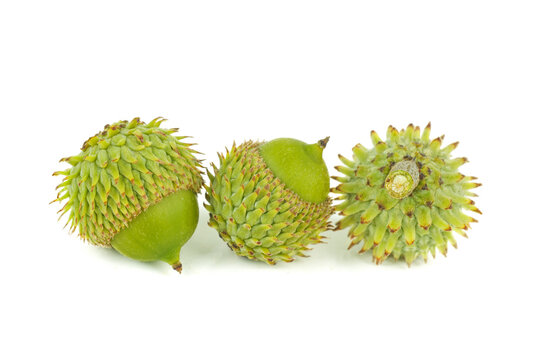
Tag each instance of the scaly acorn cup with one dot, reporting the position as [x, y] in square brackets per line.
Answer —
[269, 201]
[405, 197]
[133, 187]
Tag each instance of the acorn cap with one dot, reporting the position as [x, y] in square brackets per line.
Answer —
[122, 171]
[405, 197]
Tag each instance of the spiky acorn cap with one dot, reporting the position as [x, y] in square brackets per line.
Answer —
[256, 214]
[405, 197]
[121, 172]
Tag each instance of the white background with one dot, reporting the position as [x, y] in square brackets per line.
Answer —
[237, 70]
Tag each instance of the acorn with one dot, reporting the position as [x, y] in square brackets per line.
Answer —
[269, 201]
[133, 187]
[405, 197]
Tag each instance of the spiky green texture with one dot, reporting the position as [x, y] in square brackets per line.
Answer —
[417, 224]
[122, 171]
[256, 214]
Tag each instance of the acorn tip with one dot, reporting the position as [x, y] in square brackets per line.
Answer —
[178, 267]
[323, 142]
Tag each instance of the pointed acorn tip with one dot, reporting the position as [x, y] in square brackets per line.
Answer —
[178, 267]
[322, 143]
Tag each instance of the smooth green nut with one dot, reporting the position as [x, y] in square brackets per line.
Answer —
[160, 231]
[300, 166]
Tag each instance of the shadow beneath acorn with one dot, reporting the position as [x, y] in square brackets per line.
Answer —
[112, 256]
[207, 250]
[335, 253]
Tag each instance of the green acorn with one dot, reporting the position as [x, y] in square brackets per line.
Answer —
[133, 187]
[269, 201]
[405, 197]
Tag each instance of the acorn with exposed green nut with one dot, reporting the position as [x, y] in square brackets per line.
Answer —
[269, 201]
[405, 197]
[134, 188]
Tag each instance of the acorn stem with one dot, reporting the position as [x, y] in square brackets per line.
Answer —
[322, 143]
[402, 179]
[177, 266]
